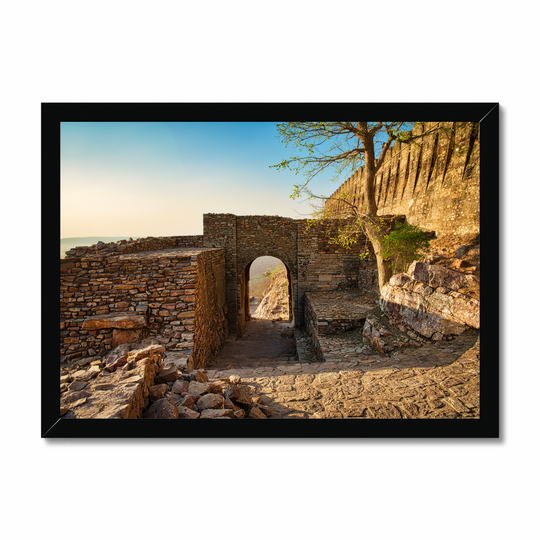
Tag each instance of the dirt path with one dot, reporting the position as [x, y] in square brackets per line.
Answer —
[264, 343]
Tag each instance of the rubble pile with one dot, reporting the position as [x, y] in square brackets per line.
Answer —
[193, 395]
[147, 383]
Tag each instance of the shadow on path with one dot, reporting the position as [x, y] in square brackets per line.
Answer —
[264, 343]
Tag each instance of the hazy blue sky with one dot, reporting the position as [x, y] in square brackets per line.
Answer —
[158, 179]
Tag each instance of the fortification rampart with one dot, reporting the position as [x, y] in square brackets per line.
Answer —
[435, 182]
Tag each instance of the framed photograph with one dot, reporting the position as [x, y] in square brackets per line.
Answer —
[305, 279]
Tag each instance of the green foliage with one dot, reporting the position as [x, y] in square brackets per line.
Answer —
[403, 245]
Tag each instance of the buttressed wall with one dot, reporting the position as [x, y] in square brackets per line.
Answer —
[435, 182]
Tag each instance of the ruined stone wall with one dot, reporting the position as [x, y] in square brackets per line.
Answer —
[167, 287]
[210, 316]
[136, 246]
[220, 231]
[435, 183]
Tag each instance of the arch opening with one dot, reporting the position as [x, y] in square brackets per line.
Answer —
[266, 291]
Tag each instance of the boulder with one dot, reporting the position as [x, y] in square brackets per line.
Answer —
[235, 379]
[186, 412]
[180, 386]
[204, 388]
[163, 408]
[76, 386]
[113, 362]
[240, 395]
[146, 352]
[199, 376]
[166, 375]
[157, 392]
[432, 300]
[228, 404]
[255, 412]
[86, 375]
[210, 401]
[267, 411]
[187, 401]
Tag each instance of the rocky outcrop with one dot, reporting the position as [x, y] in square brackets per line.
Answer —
[120, 391]
[433, 300]
[275, 302]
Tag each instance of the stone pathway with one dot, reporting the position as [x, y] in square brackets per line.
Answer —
[264, 343]
[438, 380]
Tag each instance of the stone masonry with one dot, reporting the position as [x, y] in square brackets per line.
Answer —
[435, 183]
[178, 296]
[313, 263]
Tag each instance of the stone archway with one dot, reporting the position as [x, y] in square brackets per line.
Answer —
[246, 238]
[245, 292]
[313, 263]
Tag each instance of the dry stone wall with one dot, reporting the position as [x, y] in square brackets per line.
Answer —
[172, 289]
[435, 183]
[135, 246]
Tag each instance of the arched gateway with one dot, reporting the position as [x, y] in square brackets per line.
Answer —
[313, 264]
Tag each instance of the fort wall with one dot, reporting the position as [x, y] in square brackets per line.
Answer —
[435, 182]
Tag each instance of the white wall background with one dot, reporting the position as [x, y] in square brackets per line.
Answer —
[281, 51]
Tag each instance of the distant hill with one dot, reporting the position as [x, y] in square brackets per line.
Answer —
[262, 264]
[69, 243]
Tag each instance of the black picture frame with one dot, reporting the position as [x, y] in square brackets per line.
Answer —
[487, 426]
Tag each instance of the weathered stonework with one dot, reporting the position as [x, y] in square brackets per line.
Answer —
[333, 313]
[136, 246]
[122, 393]
[176, 296]
[433, 300]
[313, 263]
[435, 183]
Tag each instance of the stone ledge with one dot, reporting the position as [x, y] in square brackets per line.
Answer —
[126, 320]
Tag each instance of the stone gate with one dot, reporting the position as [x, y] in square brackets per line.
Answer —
[313, 263]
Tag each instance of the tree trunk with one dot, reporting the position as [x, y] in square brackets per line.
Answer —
[383, 269]
[374, 235]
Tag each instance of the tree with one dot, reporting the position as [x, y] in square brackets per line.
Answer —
[347, 146]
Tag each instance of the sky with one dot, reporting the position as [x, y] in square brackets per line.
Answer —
[158, 178]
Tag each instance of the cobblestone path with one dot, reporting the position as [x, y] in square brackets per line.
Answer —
[438, 380]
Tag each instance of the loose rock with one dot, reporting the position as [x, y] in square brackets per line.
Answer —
[162, 408]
